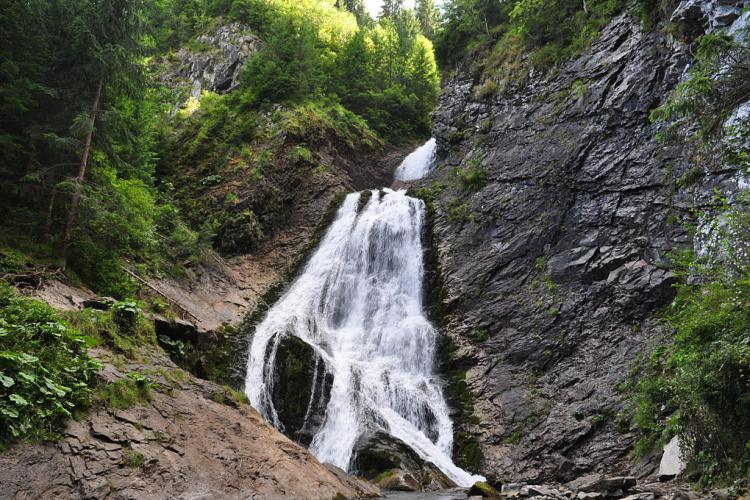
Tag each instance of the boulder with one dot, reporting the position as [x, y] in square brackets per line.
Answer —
[301, 389]
[389, 461]
[689, 20]
[398, 480]
[671, 464]
[513, 490]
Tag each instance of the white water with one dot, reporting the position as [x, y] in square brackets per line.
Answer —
[358, 302]
[418, 163]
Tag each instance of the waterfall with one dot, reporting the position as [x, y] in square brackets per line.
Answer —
[418, 163]
[358, 304]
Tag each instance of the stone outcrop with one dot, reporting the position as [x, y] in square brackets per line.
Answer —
[213, 61]
[560, 258]
[191, 439]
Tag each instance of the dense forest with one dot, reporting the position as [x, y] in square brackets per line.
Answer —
[107, 169]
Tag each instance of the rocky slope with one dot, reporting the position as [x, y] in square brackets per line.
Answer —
[190, 438]
[555, 208]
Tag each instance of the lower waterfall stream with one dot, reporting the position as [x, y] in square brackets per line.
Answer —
[358, 305]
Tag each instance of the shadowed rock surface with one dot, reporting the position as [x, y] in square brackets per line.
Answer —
[301, 389]
[395, 466]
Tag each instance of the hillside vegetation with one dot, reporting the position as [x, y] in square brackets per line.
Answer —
[91, 149]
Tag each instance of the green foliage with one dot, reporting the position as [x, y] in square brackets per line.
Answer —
[46, 116]
[123, 329]
[479, 334]
[384, 72]
[549, 30]
[472, 177]
[698, 386]
[45, 373]
[132, 458]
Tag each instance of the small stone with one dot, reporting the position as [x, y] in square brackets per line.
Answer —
[541, 490]
[399, 480]
[588, 494]
[512, 489]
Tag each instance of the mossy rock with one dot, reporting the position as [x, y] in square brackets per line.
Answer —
[392, 464]
[484, 490]
[299, 376]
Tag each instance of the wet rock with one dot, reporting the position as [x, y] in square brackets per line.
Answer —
[398, 480]
[690, 20]
[512, 490]
[561, 256]
[301, 389]
[543, 491]
[377, 453]
[605, 486]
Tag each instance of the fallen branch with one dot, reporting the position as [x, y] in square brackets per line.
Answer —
[152, 287]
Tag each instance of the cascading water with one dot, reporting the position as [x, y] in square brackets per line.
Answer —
[417, 163]
[358, 304]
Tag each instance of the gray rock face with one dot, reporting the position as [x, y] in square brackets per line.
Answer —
[693, 18]
[560, 257]
[215, 61]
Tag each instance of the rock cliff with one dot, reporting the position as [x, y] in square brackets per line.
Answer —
[554, 211]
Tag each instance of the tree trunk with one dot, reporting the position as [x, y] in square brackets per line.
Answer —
[50, 209]
[81, 175]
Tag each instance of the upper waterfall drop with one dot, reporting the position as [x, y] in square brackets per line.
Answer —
[358, 304]
[418, 163]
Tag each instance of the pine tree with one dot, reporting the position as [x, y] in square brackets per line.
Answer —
[356, 7]
[391, 8]
[427, 14]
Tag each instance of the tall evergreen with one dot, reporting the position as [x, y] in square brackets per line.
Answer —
[427, 14]
[356, 7]
[391, 8]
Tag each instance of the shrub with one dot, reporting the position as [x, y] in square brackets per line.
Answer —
[472, 177]
[45, 373]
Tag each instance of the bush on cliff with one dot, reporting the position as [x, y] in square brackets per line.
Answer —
[697, 386]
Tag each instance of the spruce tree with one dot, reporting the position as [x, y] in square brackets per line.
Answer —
[427, 14]
[391, 8]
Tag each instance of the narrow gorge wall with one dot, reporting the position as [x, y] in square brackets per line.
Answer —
[555, 266]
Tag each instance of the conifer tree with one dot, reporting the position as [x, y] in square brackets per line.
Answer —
[427, 15]
[391, 8]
